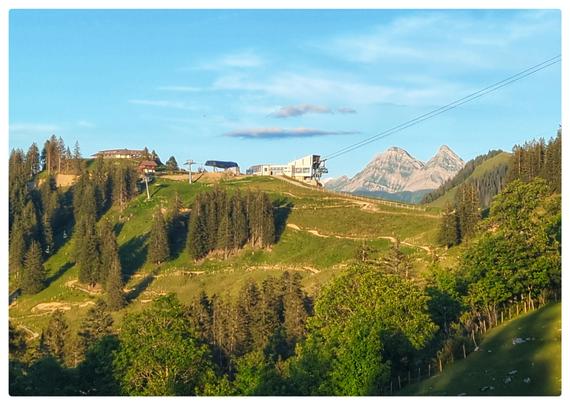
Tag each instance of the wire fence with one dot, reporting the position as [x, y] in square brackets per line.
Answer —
[466, 345]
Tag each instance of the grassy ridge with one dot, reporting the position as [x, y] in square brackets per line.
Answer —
[318, 258]
[538, 359]
[487, 166]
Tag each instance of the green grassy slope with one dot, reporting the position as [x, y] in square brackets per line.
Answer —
[538, 359]
[324, 233]
[479, 171]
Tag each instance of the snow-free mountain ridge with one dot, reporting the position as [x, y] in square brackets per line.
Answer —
[396, 171]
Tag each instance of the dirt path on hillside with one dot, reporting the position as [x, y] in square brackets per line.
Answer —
[390, 238]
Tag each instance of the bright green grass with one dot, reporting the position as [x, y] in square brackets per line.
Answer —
[486, 166]
[538, 359]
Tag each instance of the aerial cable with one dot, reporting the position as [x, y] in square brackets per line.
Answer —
[473, 96]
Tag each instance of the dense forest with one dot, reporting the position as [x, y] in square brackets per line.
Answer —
[373, 323]
[472, 199]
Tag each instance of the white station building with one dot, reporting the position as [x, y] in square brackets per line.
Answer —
[304, 168]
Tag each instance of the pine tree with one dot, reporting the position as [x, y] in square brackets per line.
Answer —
[197, 241]
[77, 161]
[33, 277]
[55, 336]
[448, 233]
[33, 159]
[239, 221]
[114, 287]
[158, 250]
[109, 251]
[268, 221]
[294, 310]
[397, 262]
[225, 235]
[17, 250]
[97, 324]
[248, 314]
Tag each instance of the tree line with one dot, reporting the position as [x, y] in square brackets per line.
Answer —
[531, 160]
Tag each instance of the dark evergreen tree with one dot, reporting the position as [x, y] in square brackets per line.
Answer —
[171, 164]
[33, 159]
[97, 324]
[114, 286]
[56, 335]
[33, 276]
[396, 262]
[158, 247]
[197, 241]
[449, 229]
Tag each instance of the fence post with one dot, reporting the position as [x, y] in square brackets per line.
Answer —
[419, 374]
[399, 383]
[501, 316]
[464, 353]
[429, 369]
[440, 365]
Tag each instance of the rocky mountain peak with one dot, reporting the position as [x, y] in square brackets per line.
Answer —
[395, 170]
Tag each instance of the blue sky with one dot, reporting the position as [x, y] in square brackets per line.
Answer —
[258, 86]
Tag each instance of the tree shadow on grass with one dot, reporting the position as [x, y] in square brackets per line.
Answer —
[178, 235]
[281, 211]
[141, 286]
[133, 255]
[59, 273]
[157, 189]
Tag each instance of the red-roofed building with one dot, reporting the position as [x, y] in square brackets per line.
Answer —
[147, 167]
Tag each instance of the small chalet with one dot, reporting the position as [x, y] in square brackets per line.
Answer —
[147, 167]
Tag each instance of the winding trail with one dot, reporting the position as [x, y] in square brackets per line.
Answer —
[390, 238]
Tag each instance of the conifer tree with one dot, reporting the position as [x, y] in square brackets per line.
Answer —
[109, 251]
[294, 309]
[114, 286]
[239, 221]
[267, 221]
[33, 159]
[33, 277]
[56, 335]
[158, 249]
[197, 241]
[396, 262]
[225, 235]
[17, 250]
[97, 324]
[448, 233]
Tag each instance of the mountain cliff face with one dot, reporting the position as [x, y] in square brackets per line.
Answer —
[397, 172]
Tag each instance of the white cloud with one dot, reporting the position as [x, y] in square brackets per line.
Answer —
[163, 103]
[182, 89]
[246, 59]
[85, 124]
[301, 109]
[29, 127]
[452, 38]
[280, 133]
[340, 88]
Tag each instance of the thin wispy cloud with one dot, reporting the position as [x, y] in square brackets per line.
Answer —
[280, 133]
[179, 105]
[247, 59]
[456, 38]
[346, 110]
[30, 127]
[301, 109]
[85, 124]
[181, 89]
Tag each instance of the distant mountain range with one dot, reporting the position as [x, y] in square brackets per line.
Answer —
[397, 175]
